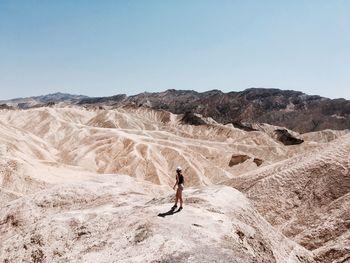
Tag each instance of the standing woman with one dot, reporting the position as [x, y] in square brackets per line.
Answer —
[180, 186]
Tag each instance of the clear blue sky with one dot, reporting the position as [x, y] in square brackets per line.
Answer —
[101, 48]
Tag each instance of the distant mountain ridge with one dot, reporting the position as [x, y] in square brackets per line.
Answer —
[58, 96]
[287, 108]
[35, 101]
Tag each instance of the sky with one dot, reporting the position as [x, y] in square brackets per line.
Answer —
[103, 48]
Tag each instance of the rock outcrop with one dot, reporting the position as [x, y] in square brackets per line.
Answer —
[258, 161]
[237, 159]
[286, 138]
[192, 119]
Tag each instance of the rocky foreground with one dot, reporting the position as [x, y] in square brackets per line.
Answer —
[116, 219]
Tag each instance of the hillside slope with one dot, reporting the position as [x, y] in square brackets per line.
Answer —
[307, 197]
[136, 141]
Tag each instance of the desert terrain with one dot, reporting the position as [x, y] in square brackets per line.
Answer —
[94, 184]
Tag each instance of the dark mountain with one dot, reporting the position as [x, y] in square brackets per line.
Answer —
[292, 109]
[5, 107]
[103, 100]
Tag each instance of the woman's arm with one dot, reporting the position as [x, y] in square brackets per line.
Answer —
[177, 180]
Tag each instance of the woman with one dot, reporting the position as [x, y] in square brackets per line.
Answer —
[180, 186]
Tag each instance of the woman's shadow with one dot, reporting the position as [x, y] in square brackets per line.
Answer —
[170, 212]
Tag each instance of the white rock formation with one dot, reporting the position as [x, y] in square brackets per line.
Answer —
[82, 185]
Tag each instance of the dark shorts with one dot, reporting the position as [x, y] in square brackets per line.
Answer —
[180, 186]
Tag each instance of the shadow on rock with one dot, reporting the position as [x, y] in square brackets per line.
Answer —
[170, 212]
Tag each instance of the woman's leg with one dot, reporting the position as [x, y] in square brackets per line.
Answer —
[180, 197]
[176, 197]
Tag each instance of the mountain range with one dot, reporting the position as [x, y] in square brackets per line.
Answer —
[286, 108]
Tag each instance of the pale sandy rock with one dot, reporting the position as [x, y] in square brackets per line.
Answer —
[324, 136]
[114, 219]
[306, 197]
[140, 142]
